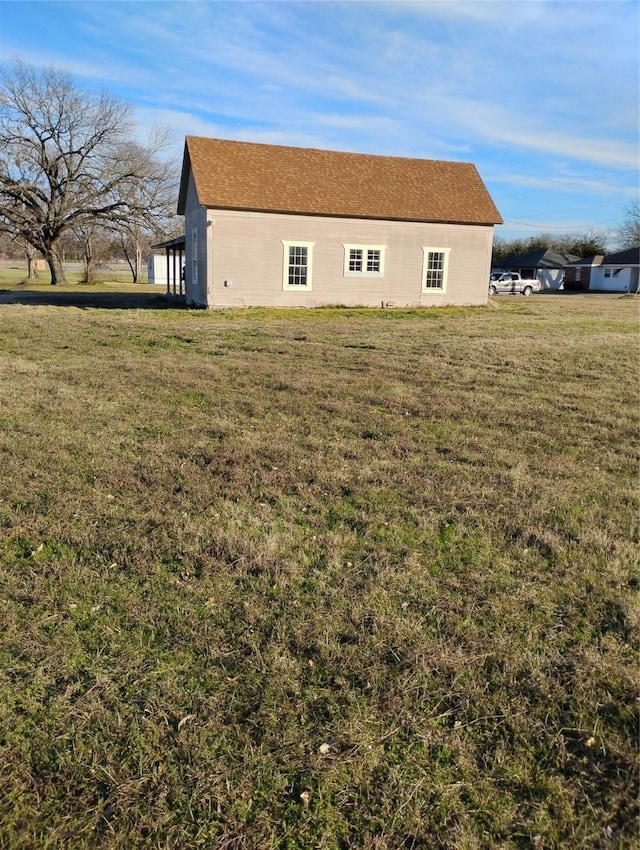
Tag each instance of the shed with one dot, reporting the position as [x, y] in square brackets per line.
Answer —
[157, 269]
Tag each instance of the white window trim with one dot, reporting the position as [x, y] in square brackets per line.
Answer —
[364, 249]
[194, 256]
[426, 250]
[285, 265]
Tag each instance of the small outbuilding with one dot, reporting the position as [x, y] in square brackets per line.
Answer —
[290, 227]
[157, 269]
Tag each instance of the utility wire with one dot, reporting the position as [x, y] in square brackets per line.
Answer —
[556, 227]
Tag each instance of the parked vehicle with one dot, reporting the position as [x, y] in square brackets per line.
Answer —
[511, 283]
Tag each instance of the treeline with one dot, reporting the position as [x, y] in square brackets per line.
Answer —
[583, 245]
[626, 235]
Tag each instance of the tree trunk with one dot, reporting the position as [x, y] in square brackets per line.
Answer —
[52, 256]
[89, 268]
[32, 266]
[131, 259]
[134, 265]
[138, 263]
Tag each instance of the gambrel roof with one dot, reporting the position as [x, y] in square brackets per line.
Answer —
[308, 181]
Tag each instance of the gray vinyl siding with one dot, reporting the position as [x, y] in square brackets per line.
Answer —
[246, 250]
[195, 218]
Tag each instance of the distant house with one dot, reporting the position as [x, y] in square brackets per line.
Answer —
[544, 264]
[157, 269]
[611, 273]
[286, 226]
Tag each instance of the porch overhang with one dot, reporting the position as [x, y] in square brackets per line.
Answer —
[174, 250]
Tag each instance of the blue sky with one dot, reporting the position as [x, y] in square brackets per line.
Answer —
[542, 96]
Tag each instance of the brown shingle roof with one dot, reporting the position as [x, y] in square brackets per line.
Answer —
[308, 181]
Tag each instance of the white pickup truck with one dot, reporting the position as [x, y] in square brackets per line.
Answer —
[512, 283]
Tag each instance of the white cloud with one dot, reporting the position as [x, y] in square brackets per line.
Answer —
[601, 152]
[528, 90]
[565, 184]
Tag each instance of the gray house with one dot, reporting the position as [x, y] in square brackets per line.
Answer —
[297, 227]
[545, 264]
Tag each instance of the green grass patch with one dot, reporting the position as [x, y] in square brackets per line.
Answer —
[319, 579]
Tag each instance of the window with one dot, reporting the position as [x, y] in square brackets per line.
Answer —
[364, 260]
[434, 269]
[194, 255]
[607, 272]
[297, 265]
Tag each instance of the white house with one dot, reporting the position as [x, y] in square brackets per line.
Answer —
[285, 226]
[611, 273]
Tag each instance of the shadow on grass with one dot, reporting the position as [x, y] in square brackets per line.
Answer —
[103, 300]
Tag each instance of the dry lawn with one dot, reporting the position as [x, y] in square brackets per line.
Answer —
[320, 579]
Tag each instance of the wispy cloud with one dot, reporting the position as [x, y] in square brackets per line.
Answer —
[496, 124]
[528, 90]
[568, 184]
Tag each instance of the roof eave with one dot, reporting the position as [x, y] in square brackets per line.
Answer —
[184, 180]
[230, 208]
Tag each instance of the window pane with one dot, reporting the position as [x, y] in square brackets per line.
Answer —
[297, 265]
[355, 260]
[435, 270]
[298, 276]
[373, 260]
[297, 255]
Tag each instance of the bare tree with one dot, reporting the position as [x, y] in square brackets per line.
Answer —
[628, 232]
[66, 161]
[31, 255]
[155, 209]
[134, 242]
[86, 236]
